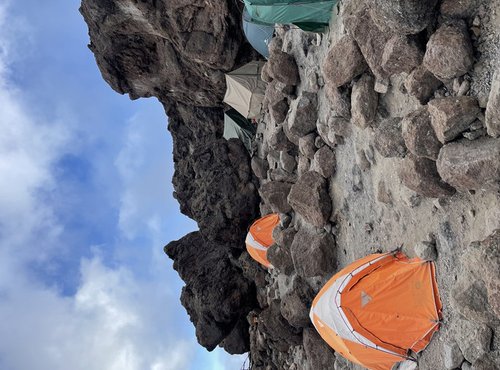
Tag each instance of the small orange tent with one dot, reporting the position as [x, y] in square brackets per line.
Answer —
[377, 309]
[260, 237]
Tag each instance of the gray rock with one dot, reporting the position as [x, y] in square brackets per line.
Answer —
[309, 198]
[287, 161]
[401, 54]
[421, 176]
[324, 133]
[275, 194]
[383, 194]
[449, 52]
[452, 115]
[324, 162]
[469, 297]
[304, 165]
[344, 62]
[421, 84]
[493, 107]
[419, 135]
[458, 8]
[277, 328]
[486, 362]
[389, 139]
[303, 115]
[319, 355]
[260, 167]
[278, 140]
[453, 357]
[364, 101]
[295, 303]
[426, 251]
[283, 68]
[264, 73]
[340, 101]
[281, 175]
[473, 339]
[278, 111]
[472, 165]
[403, 16]
[280, 256]
[370, 39]
[237, 342]
[338, 127]
[313, 254]
[307, 145]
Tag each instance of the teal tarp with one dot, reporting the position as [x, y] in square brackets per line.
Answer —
[257, 34]
[307, 14]
[238, 127]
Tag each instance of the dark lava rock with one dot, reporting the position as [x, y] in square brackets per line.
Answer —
[452, 115]
[283, 68]
[401, 54]
[319, 354]
[419, 135]
[343, 62]
[421, 176]
[238, 341]
[281, 257]
[472, 165]
[403, 17]
[275, 194]
[422, 84]
[458, 8]
[449, 52]
[389, 139]
[296, 302]
[364, 101]
[277, 328]
[216, 294]
[309, 198]
[313, 253]
[260, 167]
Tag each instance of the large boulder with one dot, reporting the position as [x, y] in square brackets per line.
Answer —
[471, 165]
[419, 135]
[309, 198]
[343, 62]
[421, 176]
[452, 115]
[389, 139]
[313, 253]
[364, 101]
[449, 52]
[216, 294]
[493, 107]
[403, 17]
[275, 193]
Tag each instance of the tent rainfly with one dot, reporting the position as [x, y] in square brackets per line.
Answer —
[260, 237]
[377, 309]
[245, 89]
[237, 127]
[310, 15]
[258, 34]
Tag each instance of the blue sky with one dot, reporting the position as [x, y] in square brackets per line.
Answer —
[85, 208]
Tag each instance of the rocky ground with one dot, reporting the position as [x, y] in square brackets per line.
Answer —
[381, 133]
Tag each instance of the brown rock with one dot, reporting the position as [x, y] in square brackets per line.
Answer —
[458, 8]
[403, 17]
[421, 84]
[303, 115]
[264, 73]
[472, 165]
[389, 139]
[419, 135]
[401, 54]
[313, 253]
[493, 107]
[452, 115]
[309, 198]
[260, 167]
[449, 52]
[306, 145]
[324, 162]
[343, 62]
[275, 194]
[283, 68]
[421, 176]
[364, 101]
[340, 101]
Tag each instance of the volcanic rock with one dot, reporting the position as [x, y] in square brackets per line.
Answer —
[260, 167]
[421, 84]
[303, 115]
[319, 355]
[340, 101]
[324, 162]
[364, 101]
[389, 139]
[275, 193]
[458, 8]
[401, 54]
[306, 145]
[313, 254]
[309, 198]
[493, 107]
[283, 68]
[343, 62]
[419, 135]
[295, 303]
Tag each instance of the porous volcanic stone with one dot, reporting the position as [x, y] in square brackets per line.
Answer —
[421, 176]
[343, 62]
[401, 54]
[295, 303]
[313, 253]
[403, 16]
[309, 198]
[421, 84]
[493, 107]
[364, 101]
[472, 165]
[452, 115]
[419, 135]
[449, 52]
[275, 194]
[389, 139]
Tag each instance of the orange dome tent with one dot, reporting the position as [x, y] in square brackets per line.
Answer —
[377, 309]
[260, 237]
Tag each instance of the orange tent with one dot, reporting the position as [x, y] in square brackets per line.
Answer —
[377, 309]
[260, 237]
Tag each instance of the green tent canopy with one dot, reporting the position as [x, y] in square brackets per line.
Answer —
[310, 15]
[238, 127]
